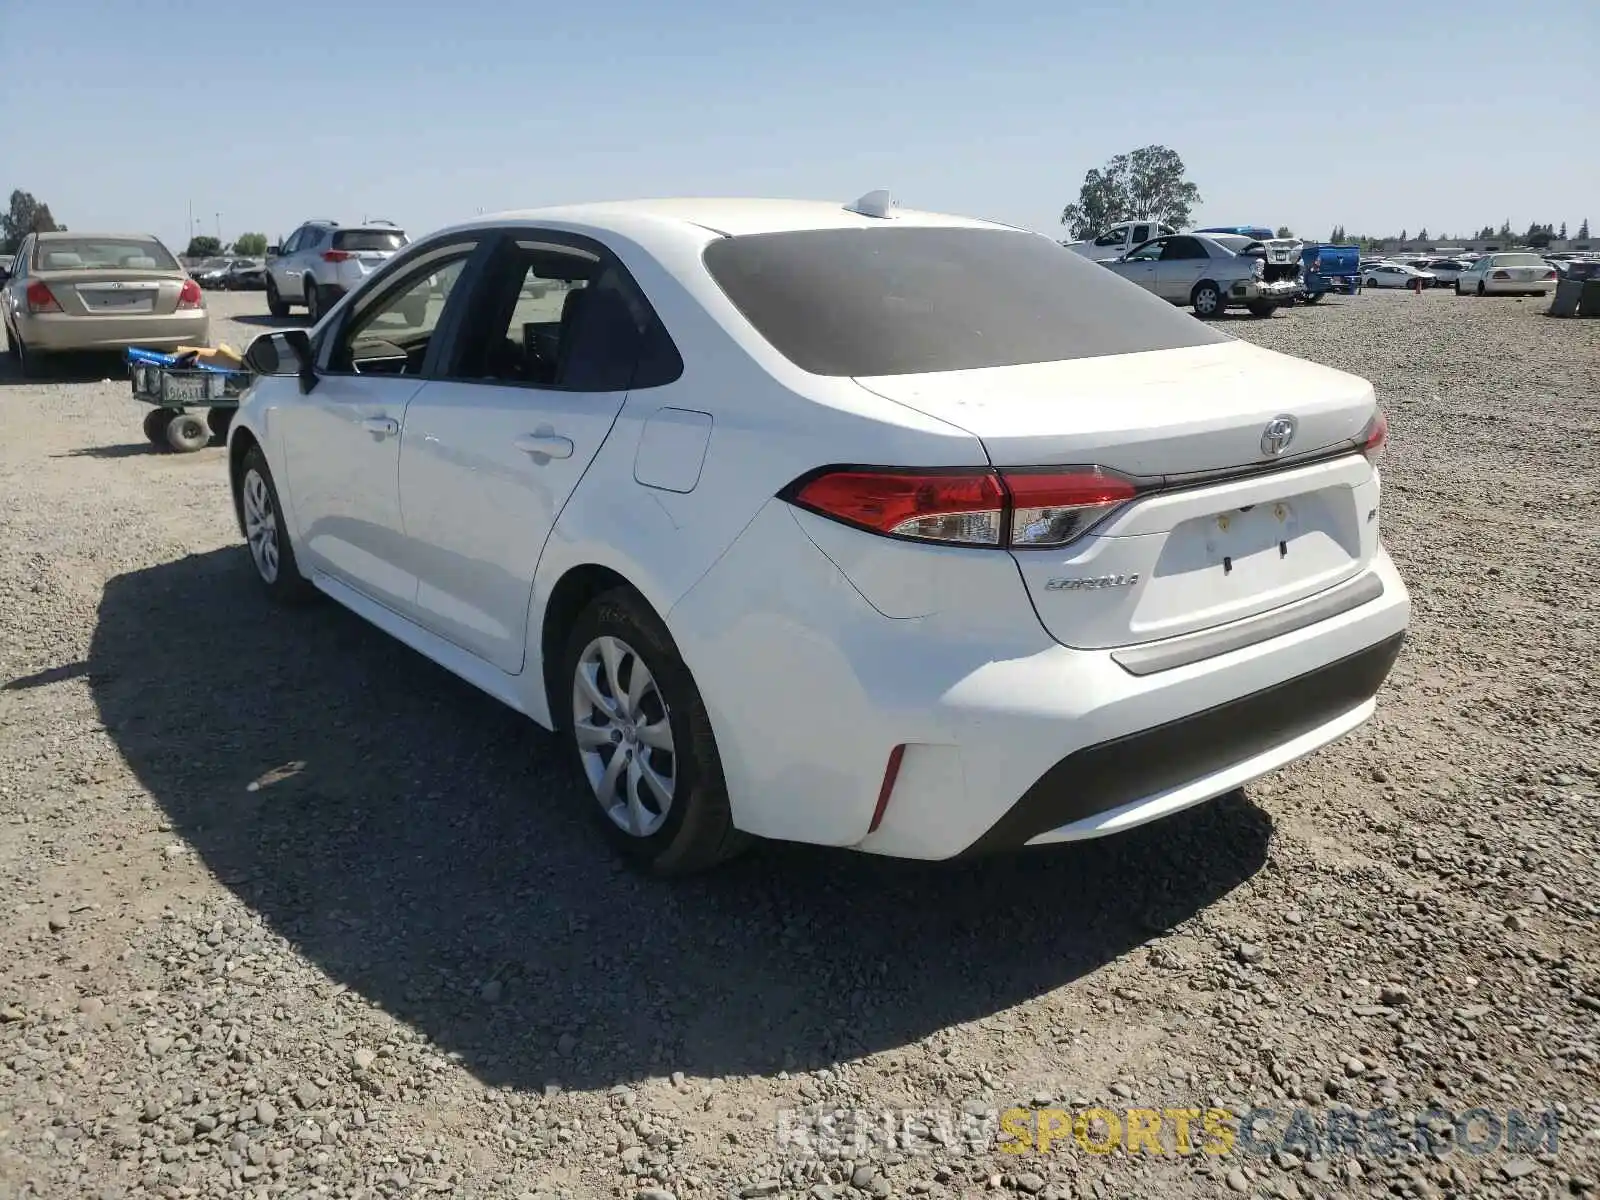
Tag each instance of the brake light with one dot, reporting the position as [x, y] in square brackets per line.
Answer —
[189, 294]
[336, 255]
[1548, 275]
[1501, 275]
[1375, 437]
[40, 299]
[1021, 509]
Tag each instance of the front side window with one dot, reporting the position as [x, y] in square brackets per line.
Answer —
[1148, 252]
[901, 300]
[390, 334]
[1141, 233]
[1113, 237]
[1184, 248]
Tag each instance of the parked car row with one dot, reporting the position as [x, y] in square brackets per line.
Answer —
[231, 274]
[1504, 272]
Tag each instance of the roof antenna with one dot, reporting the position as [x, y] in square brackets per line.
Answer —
[873, 204]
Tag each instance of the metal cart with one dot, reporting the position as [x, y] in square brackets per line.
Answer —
[176, 389]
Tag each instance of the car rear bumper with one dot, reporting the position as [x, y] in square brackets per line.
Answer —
[1006, 738]
[1519, 286]
[1250, 291]
[60, 332]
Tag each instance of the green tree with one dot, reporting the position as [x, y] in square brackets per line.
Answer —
[1504, 232]
[1563, 234]
[1148, 182]
[1583, 230]
[204, 246]
[251, 245]
[25, 215]
[1283, 232]
[1422, 234]
[1402, 235]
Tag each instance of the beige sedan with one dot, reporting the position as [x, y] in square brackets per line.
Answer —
[84, 291]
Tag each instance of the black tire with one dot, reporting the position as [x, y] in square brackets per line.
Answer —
[218, 420]
[188, 432]
[1312, 297]
[155, 426]
[286, 584]
[1207, 300]
[1459, 292]
[30, 363]
[1481, 290]
[276, 304]
[1261, 308]
[313, 296]
[698, 831]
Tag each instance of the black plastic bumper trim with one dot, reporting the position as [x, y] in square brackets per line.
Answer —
[1108, 775]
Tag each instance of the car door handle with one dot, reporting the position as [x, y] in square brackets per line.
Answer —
[381, 426]
[548, 444]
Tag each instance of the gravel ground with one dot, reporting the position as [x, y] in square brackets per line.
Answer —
[290, 912]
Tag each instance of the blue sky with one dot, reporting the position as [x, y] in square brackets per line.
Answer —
[1374, 115]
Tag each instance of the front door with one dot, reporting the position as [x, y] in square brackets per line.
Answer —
[1184, 263]
[1140, 266]
[342, 440]
[533, 381]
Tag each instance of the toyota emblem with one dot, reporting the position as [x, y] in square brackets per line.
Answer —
[1275, 438]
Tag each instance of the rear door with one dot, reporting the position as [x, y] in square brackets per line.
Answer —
[537, 370]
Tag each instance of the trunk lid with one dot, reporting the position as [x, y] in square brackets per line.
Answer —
[1221, 535]
[114, 293]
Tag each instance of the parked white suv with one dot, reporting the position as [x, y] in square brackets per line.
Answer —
[322, 260]
[848, 525]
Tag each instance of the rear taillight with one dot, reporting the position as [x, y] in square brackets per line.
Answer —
[40, 298]
[1026, 509]
[1375, 437]
[1548, 275]
[1501, 275]
[336, 255]
[189, 294]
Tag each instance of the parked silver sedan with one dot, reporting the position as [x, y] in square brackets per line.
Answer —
[1207, 273]
[83, 291]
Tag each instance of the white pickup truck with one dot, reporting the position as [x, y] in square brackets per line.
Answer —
[1119, 239]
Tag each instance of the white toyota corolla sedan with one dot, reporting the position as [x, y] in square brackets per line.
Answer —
[842, 524]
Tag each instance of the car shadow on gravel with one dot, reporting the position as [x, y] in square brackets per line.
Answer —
[267, 320]
[428, 848]
[64, 368]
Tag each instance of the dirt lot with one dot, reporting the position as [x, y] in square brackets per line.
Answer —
[290, 912]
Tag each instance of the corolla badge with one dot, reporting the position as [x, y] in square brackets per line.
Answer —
[1275, 438]
[1091, 583]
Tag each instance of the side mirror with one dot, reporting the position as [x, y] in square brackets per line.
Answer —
[286, 352]
[273, 251]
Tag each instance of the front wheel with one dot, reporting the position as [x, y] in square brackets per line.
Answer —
[218, 420]
[270, 549]
[313, 300]
[277, 306]
[640, 735]
[1207, 300]
[1482, 291]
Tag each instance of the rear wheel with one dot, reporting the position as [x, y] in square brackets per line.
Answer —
[639, 732]
[188, 432]
[1481, 290]
[313, 300]
[155, 426]
[276, 304]
[1459, 292]
[1207, 299]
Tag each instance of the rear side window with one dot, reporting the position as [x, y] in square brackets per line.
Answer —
[102, 253]
[901, 301]
[357, 240]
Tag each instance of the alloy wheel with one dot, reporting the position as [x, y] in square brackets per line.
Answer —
[261, 525]
[624, 734]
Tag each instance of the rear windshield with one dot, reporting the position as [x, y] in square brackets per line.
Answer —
[903, 301]
[1519, 260]
[102, 253]
[368, 239]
